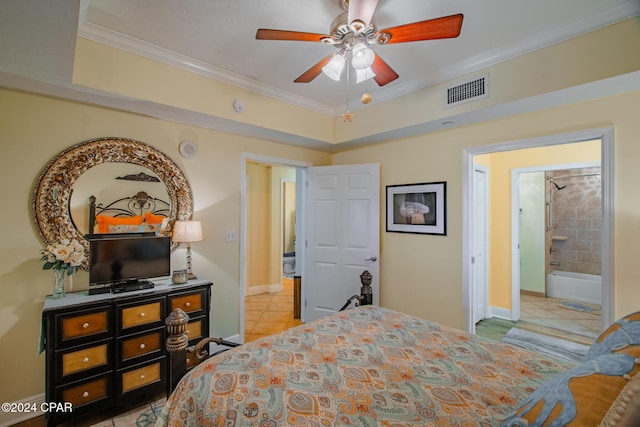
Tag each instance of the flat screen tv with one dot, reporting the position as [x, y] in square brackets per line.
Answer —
[128, 259]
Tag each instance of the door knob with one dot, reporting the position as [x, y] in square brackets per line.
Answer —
[372, 259]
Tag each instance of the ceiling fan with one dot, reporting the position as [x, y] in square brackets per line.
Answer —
[353, 31]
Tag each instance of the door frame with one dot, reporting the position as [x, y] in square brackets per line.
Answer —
[607, 146]
[300, 208]
[515, 225]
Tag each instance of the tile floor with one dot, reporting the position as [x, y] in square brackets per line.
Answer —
[547, 312]
[266, 314]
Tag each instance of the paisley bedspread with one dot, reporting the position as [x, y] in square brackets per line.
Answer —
[368, 366]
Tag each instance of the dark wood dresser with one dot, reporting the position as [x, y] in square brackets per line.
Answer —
[109, 349]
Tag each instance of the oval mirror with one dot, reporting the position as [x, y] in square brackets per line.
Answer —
[54, 198]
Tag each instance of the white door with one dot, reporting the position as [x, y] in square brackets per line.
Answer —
[343, 235]
[479, 243]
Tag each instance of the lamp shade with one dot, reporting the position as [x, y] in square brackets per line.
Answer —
[362, 75]
[334, 68]
[187, 231]
[362, 57]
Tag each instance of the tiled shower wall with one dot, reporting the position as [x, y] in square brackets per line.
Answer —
[576, 217]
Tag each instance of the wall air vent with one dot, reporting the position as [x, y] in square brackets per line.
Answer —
[470, 90]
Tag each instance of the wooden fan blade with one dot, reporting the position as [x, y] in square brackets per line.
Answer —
[314, 71]
[267, 34]
[362, 10]
[384, 73]
[439, 28]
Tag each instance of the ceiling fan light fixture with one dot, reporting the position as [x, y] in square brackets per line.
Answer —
[381, 37]
[357, 26]
[361, 56]
[362, 75]
[354, 30]
[334, 68]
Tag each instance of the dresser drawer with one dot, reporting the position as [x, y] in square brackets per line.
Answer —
[142, 346]
[142, 379]
[76, 326]
[190, 303]
[86, 392]
[197, 329]
[142, 314]
[90, 358]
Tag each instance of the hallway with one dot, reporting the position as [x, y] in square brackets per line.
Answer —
[267, 314]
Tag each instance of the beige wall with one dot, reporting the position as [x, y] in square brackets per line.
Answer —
[500, 166]
[422, 274]
[258, 220]
[33, 130]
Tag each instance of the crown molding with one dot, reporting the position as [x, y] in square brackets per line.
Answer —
[142, 48]
[139, 47]
[591, 23]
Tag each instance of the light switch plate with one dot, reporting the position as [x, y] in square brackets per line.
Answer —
[231, 236]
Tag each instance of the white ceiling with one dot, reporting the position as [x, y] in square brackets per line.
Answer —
[217, 38]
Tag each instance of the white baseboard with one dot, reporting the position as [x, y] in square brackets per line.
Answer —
[10, 418]
[501, 313]
[263, 289]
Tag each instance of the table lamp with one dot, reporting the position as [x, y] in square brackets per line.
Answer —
[187, 232]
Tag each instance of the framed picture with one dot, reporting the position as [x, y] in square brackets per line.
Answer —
[417, 208]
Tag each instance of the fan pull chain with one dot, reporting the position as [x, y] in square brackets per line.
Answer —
[366, 96]
[348, 116]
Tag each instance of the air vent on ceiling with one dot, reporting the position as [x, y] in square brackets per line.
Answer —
[470, 90]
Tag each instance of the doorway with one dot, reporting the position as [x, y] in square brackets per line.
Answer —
[336, 204]
[556, 211]
[507, 295]
[269, 228]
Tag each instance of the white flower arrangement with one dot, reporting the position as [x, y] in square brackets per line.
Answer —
[67, 255]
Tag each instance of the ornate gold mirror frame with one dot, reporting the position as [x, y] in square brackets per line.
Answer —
[54, 188]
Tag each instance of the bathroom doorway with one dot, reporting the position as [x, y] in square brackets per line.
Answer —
[504, 297]
[559, 213]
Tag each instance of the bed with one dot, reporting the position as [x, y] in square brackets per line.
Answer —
[140, 213]
[372, 366]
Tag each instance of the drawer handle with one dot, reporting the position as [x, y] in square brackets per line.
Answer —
[85, 394]
[142, 346]
[141, 376]
[188, 304]
[85, 360]
[142, 314]
[85, 325]
[187, 332]
[188, 360]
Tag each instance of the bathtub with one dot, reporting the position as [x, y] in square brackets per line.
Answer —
[574, 286]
